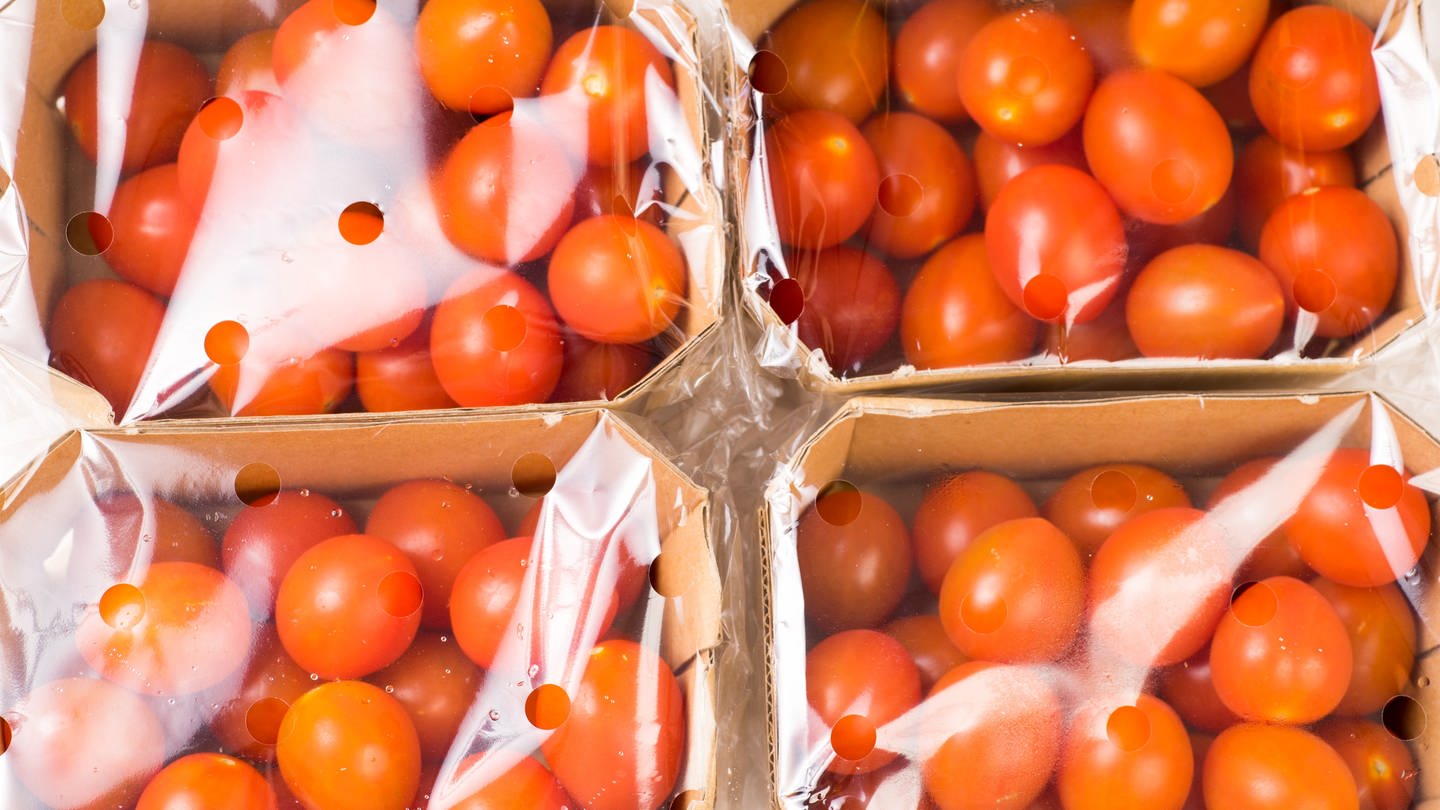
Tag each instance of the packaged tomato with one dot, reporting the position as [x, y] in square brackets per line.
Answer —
[341, 205]
[968, 192]
[1163, 602]
[515, 611]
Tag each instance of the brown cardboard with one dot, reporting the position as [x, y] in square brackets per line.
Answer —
[754, 17]
[1193, 437]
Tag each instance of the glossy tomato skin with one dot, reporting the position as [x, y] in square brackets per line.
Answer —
[401, 377]
[249, 64]
[622, 745]
[526, 784]
[1103, 28]
[601, 76]
[932, 650]
[1312, 78]
[955, 314]
[863, 673]
[345, 739]
[1157, 146]
[1268, 172]
[117, 529]
[1093, 503]
[263, 541]
[853, 574]
[485, 596]
[998, 160]
[101, 333]
[1382, 765]
[210, 781]
[1381, 628]
[167, 88]
[1126, 756]
[1025, 76]
[1189, 688]
[852, 304]
[247, 722]
[436, 684]
[927, 54]
[836, 56]
[478, 55]
[494, 341]
[1273, 556]
[1276, 768]
[956, 510]
[286, 384]
[1205, 302]
[617, 279]
[927, 187]
[824, 178]
[153, 224]
[1200, 41]
[1016, 593]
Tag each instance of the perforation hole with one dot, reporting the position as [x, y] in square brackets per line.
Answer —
[354, 12]
[504, 327]
[1128, 728]
[1314, 291]
[838, 503]
[122, 607]
[227, 343]
[1380, 486]
[1404, 717]
[263, 718]
[84, 15]
[257, 484]
[533, 475]
[221, 118]
[400, 594]
[89, 233]
[1253, 604]
[361, 223]
[1113, 489]
[1045, 297]
[852, 737]
[768, 73]
[788, 300]
[547, 707]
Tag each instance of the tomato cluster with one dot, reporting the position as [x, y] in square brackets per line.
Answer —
[1115, 644]
[298, 662]
[362, 210]
[970, 183]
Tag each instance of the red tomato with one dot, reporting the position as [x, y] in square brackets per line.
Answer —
[1273, 556]
[927, 188]
[486, 596]
[346, 739]
[616, 279]
[249, 64]
[622, 745]
[1383, 768]
[1205, 302]
[824, 178]
[1361, 525]
[864, 674]
[852, 304]
[361, 296]
[1335, 253]
[85, 744]
[854, 557]
[267, 383]
[350, 587]
[1158, 586]
[1200, 745]
[101, 333]
[927, 55]
[1214, 227]
[122, 524]
[1056, 244]
[401, 377]
[1267, 172]
[932, 650]
[166, 89]
[247, 722]
[599, 370]
[1200, 41]
[494, 341]
[478, 55]
[212, 781]
[836, 56]
[1281, 654]
[633, 190]
[436, 684]
[152, 225]
[1025, 76]
[1091, 504]
[264, 541]
[957, 509]
[234, 148]
[1189, 688]
[1126, 756]
[439, 526]
[1103, 29]
[1262, 767]
[1107, 337]
[1157, 146]
[997, 160]
[1231, 98]
[526, 784]
[1312, 79]
[955, 314]
[182, 628]
[1381, 627]
[1016, 593]
[606, 78]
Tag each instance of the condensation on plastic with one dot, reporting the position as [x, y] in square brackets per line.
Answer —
[612, 511]
[268, 253]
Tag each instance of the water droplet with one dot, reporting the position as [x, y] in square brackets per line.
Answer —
[286, 257]
[389, 689]
[304, 492]
[495, 715]
[314, 677]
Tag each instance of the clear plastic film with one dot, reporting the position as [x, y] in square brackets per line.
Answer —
[518, 612]
[298, 208]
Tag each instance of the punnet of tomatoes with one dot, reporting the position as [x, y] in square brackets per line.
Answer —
[295, 208]
[973, 190]
[446, 615]
[1164, 603]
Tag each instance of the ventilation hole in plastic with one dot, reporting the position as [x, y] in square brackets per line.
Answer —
[263, 719]
[1427, 176]
[1253, 604]
[666, 582]
[838, 503]
[533, 475]
[1313, 290]
[1128, 728]
[547, 706]
[1173, 181]
[400, 594]
[89, 233]
[619, 9]
[504, 327]
[1380, 486]
[1113, 489]
[221, 118]
[1045, 297]
[852, 737]
[6, 735]
[361, 223]
[257, 484]
[489, 101]
[689, 800]
[983, 615]
[768, 74]
[227, 343]
[83, 14]
[788, 300]
[1404, 717]
[122, 606]
[354, 12]
[900, 195]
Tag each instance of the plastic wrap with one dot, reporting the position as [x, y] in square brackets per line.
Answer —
[206, 603]
[885, 246]
[285, 208]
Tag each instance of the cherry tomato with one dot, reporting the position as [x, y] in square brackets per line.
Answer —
[1205, 302]
[485, 597]
[122, 524]
[401, 377]
[346, 739]
[1107, 337]
[1200, 41]
[852, 304]
[1381, 627]
[927, 55]
[1231, 98]
[1127, 755]
[478, 55]
[494, 341]
[237, 149]
[1157, 146]
[350, 587]
[606, 78]
[824, 178]
[997, 160]
[358, 295]
[267, 383]
[152, 224]
[249, 64]
[927, 188]
[617, 279]
[1016, 593]
[932, 650]
[1267, 172]
[1104, 31]
[1312, 79]
[632, 190]
[264, 540]
[623, 742]
[440, 526]
[1381, 764]
[436, 684]
[85, 744]
[1273, 556]
[854, 557]
[1281, 654]
[956, 510]
[836, 55]
[1056, 244]
[1200, 745]
[1361, 525]
[1213, 227]
[1262, 767]
[156, 103]
[955, 314]
[1190, 690]
[526, 784]
[101, 333]
[864, 674]
[1025, 76]
[210, 781]
[1158, 586]
[1091, 504]
[247, 723]
[600, 370]
[1336, 255]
